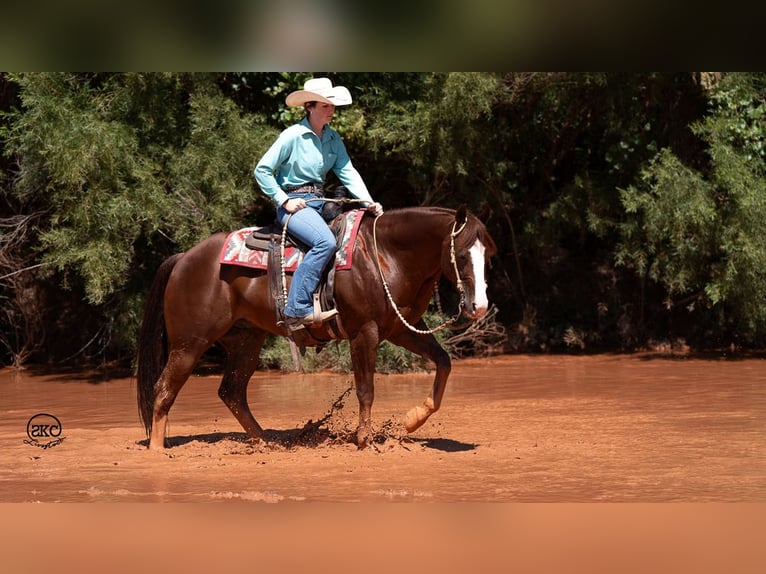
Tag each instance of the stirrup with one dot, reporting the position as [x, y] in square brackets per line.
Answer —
[296, 323]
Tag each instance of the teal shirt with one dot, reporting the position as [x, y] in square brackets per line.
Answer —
[298, 157]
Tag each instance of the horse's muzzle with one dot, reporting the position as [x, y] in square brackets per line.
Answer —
[474, 311]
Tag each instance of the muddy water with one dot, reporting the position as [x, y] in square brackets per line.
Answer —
[512, 428]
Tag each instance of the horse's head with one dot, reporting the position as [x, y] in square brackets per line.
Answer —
[465, 254]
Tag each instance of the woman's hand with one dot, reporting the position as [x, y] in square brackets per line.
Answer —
[294, 204]
[375, 208]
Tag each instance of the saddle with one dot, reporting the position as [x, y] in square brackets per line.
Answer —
[269, 239]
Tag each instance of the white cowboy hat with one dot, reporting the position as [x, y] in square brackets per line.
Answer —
[319, 90]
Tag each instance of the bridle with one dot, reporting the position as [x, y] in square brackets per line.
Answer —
[458, 282]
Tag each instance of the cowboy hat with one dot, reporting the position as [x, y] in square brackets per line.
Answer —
[319, 90]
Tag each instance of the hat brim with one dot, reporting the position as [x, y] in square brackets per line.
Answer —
[338, 96]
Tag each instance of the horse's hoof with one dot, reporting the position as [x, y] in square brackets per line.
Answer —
[415, 418]
[363, 440]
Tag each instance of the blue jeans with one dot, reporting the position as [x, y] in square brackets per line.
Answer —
[307, 226]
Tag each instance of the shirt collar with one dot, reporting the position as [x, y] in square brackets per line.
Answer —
[326, 131]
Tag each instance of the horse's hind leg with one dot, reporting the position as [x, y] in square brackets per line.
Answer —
[176, 372]
[242, 352]
[428, 347]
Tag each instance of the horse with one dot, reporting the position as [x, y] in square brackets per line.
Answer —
[195, 302]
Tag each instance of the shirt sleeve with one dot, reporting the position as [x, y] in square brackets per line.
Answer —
[267, 167]
[348, 175]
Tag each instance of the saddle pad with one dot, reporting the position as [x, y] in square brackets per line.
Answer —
[235, 252]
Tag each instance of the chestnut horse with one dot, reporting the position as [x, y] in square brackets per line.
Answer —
[195, 302]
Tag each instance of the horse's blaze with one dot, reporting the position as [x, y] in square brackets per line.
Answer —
[480, 301]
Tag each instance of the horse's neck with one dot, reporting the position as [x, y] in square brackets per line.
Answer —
[416, 237]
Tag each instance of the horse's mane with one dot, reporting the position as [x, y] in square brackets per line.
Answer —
[474, 228]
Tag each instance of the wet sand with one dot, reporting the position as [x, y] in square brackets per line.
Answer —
[608, 428]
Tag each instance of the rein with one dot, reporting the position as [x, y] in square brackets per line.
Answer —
[459, 282]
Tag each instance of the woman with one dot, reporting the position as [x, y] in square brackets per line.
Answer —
[292, 173]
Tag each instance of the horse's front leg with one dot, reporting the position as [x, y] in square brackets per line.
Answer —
[364, 350]
[428, 347]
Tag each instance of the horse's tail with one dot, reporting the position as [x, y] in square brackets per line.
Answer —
[152, 342]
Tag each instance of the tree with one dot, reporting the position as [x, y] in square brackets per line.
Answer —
[127, 168]
[699, 232]
[625, 206]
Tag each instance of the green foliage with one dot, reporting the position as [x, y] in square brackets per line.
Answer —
[124, 157]
[736, 132]
[336, 356]
[700, 232]
[276, 354]
[672, 239]
[443, 134]
[626, 206]
[126, 169]
[212, 176]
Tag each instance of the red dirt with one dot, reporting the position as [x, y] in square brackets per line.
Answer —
[511, 429]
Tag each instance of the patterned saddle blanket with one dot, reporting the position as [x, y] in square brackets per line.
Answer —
[237, 252]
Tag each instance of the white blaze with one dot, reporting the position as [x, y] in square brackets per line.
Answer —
[480, 295]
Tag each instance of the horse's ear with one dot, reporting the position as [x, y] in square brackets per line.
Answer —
[461, 215]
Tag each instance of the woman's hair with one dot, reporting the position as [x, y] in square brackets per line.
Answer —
[308, 106]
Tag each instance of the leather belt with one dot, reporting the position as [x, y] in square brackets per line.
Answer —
[315, 188]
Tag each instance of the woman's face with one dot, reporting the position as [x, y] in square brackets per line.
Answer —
[322, 113]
